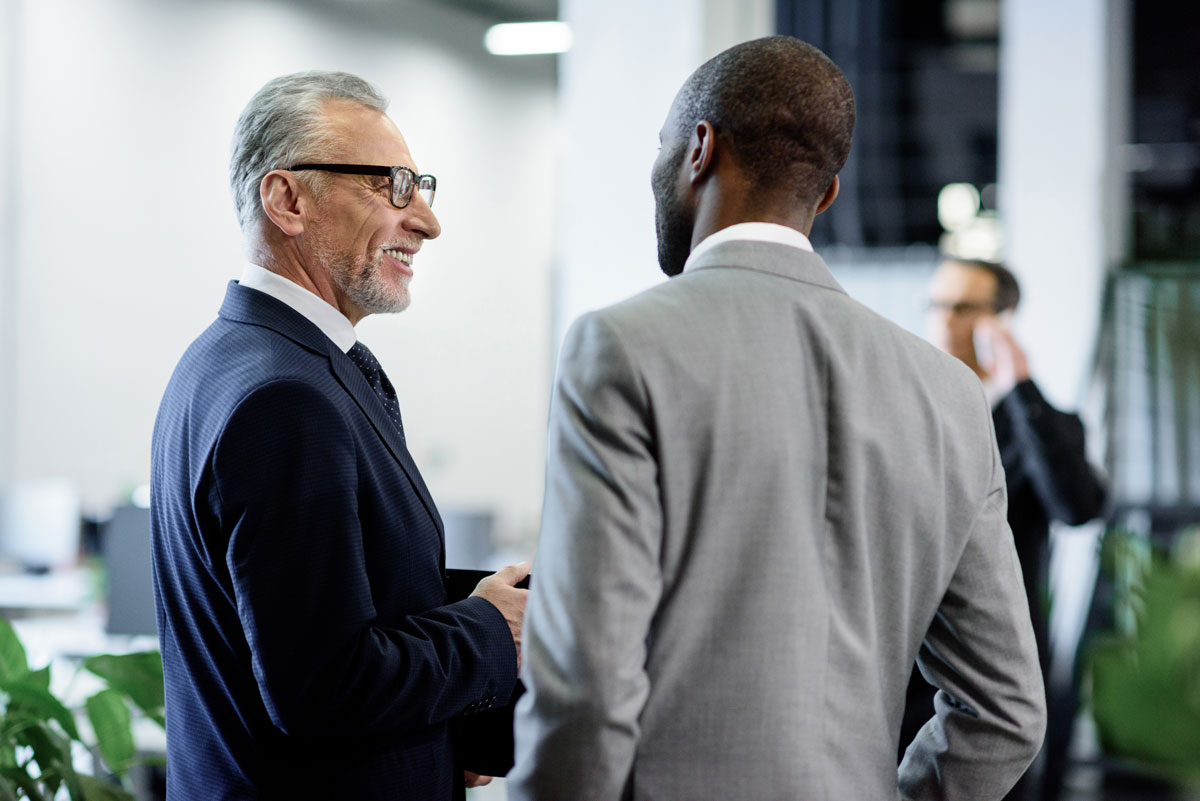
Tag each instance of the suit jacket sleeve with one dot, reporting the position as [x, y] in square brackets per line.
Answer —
[285, 489]
[1051, 444]
[981, 655]
[598, 579]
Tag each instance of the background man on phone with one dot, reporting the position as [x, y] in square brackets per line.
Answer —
[1046, 469]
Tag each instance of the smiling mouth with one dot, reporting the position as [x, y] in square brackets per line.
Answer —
[400, 256]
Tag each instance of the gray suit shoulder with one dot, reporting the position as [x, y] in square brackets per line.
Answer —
[681, 306]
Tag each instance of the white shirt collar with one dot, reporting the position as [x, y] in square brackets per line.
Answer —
[756, 231]
[332, 322]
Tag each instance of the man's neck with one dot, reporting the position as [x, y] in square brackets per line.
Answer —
[717, 210]
[318, 281]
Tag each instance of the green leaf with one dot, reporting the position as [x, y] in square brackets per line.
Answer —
[40, 677]
[114, 730]
[7, 793]
[69, 776]
[138, 675]
[8, 746]
[20, 779]
[51, 750]
[1145, 692]
[50, 781]
[98, 790]
[13, 662]
[27, 694]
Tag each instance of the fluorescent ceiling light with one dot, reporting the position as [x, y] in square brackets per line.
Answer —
[527, 38]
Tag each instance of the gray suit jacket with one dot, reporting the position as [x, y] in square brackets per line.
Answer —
[763, 503]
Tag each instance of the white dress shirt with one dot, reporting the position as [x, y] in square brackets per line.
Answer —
[756, 231]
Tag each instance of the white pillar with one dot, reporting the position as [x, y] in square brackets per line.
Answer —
[1064, 86]
[1064, 111]
[10, 40]
[615, 87]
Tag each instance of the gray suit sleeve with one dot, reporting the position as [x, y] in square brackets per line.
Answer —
[990, 711]
[597, 579]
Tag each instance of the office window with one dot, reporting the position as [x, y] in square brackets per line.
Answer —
[924, 74]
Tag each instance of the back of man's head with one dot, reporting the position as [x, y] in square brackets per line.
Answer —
[785, 108]
[285, 124]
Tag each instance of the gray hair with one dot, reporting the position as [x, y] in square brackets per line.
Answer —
[285, 124]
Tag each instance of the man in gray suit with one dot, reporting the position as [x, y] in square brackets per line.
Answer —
[764, 502]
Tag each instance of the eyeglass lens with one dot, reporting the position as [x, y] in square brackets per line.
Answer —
[960, 308]
[402, 187]
[426, 185]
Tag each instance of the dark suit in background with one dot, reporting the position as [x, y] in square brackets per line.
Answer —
[1042, 450]
[1048, 478]
[298, 571]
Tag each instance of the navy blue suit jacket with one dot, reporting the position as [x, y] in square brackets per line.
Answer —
[298, 568]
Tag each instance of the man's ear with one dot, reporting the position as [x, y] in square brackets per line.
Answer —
[282, 201]
[701, 150]
[830, 195]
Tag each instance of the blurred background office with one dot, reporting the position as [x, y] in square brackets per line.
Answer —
[1061, 137]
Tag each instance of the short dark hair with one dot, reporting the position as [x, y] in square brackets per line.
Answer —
[1008, 291]
[784, 107]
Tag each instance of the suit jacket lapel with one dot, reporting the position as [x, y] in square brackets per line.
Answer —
[250, 306]
[354, 382]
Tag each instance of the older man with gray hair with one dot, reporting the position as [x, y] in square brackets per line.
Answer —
[308, 647]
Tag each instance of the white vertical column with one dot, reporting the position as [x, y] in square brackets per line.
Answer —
[1063, 110]
[727, 22]
[10, 52]
[615, 87]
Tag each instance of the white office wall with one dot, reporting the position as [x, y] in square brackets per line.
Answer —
[617, 83]
[9, 55]
[124, 234]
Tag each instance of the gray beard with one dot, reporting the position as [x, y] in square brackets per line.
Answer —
[366, 289]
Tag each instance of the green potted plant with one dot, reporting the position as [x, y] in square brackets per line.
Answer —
[1145, 675]
[38, 731]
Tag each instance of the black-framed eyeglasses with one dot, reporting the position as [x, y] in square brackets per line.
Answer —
[962, 308]
[404, 180]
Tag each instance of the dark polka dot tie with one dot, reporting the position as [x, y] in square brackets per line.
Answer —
[361, 355]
